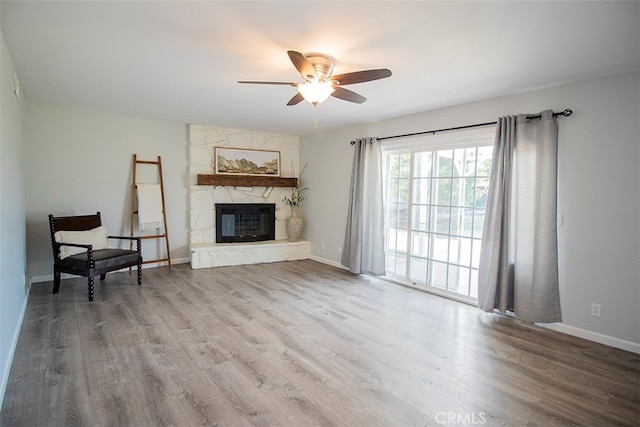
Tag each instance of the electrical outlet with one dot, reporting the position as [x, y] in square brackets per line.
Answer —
[595, 309]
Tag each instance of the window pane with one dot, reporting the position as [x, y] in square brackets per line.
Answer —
[390, 258]
[458, 279]
[396, 215]
[484, 160]
[455, 221]
[390, 217]
[459, 159]
[442, 215]
[421, 190]
[445, 167]
[470, 162]
[420, 244]
[460, 251]
[404, 165]
[469, 192]
[438, 274]
[473, 285]
[478, 223]
[389, 161]
[475, 254]
[393, 189]
[401, 237]
[422, 162]
[418, 272]
[391, 238]
[399, 190]
[440, 247]
[396, 264]
[443, 187]
[393, 168]
[420, 218]
[482, 186]
[466, 222]
[457, 191]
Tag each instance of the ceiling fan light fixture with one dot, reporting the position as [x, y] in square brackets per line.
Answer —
[315, 92]
[320, 83]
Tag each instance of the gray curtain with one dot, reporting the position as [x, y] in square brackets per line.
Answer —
[518, 268]
[363, 249]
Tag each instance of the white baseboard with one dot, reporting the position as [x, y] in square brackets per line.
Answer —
[49, 277]
[593, 336]
[328, 262]
[12, 349]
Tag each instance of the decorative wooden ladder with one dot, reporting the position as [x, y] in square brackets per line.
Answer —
[134, 183]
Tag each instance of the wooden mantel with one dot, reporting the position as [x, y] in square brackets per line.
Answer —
[246, 181]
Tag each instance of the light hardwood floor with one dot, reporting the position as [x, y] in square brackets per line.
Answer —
[298, 344]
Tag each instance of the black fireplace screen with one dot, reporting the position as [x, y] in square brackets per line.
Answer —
[245, 222]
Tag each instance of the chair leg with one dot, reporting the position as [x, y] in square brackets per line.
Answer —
[139, 271]
[90, 288]
[103, 276]
[56, 281]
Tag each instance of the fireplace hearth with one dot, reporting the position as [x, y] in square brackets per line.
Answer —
[245, 222]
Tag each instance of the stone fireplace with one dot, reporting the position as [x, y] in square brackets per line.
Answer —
[204, 248]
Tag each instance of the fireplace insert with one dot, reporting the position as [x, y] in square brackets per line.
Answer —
[245, 222]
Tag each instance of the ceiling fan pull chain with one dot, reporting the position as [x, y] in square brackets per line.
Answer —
[315, 116]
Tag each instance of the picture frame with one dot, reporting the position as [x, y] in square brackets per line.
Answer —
[245, 161]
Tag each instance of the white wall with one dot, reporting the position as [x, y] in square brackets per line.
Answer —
[13, 285]
[80, 161]
[599, 194]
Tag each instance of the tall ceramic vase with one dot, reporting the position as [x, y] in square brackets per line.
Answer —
[294, 224]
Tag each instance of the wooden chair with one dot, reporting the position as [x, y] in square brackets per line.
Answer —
[76, 250]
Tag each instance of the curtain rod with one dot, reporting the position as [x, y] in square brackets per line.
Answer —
[565, 113]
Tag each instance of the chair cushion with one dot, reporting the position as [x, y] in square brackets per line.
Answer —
[97, 237]
[104, 260]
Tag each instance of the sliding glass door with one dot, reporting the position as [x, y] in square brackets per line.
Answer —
[435, 196]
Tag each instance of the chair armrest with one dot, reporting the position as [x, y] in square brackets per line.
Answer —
[138, 241]
[77, 245]
[89, 249]
[123, 237]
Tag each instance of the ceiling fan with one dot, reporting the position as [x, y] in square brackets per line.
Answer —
[320, 84]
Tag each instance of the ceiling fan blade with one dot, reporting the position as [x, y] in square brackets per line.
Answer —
[347, 95]
[267, 83]
[297, 98]
[361, 76]
[303, 66]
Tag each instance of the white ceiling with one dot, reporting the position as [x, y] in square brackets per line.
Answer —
[180, 60]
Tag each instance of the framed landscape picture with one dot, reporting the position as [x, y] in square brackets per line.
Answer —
[242, 161]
